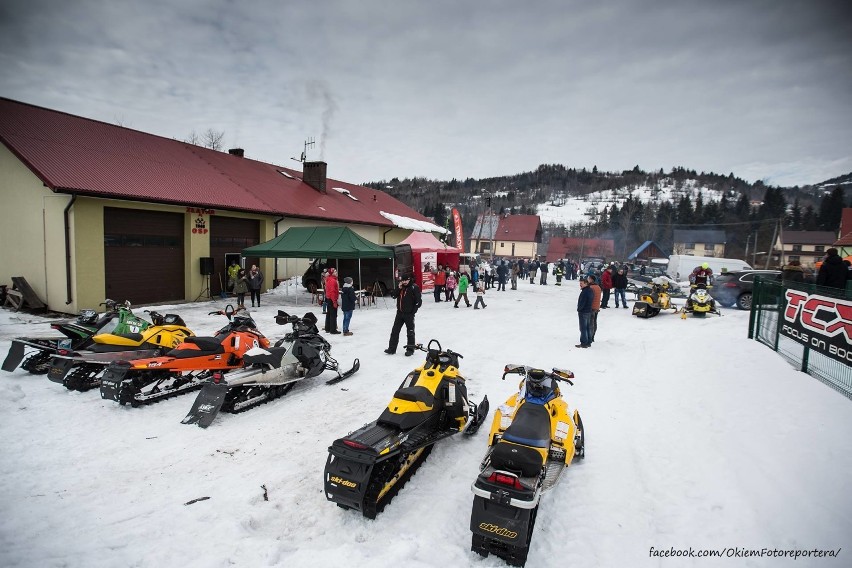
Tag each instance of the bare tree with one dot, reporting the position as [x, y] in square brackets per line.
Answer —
[193, 139]
[212, 139]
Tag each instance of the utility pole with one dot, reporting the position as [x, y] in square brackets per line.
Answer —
[771, 245]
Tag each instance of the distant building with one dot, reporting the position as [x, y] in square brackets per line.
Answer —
[579, 248]
[808, 247]
[647, 251]
[513, 236]
[844, 243]
[699, 242]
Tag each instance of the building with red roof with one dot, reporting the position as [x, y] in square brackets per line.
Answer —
[94, 210]
[512, 236]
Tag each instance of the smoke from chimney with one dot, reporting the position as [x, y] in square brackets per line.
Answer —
[319, 91]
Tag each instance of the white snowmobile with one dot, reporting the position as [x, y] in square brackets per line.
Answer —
[268, 373]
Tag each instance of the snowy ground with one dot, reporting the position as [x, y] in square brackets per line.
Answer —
[696, 437]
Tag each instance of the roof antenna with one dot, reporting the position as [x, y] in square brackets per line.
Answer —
[308, 143]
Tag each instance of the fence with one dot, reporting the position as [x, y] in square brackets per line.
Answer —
[810, 326]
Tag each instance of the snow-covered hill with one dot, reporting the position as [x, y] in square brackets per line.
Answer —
[567, 210]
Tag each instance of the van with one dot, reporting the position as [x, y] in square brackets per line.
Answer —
[682, 265]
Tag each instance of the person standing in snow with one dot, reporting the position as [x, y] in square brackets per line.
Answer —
[543, 268]
[347, 303]
[619, 284]
[596, 307]
[450, 287]
[480, 295]
[533, 270]
[408, 301]
[332, 299]
[255, 282]
[463, 284]
[584, 314]
[606, 286]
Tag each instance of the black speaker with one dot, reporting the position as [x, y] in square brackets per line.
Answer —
[206, 265]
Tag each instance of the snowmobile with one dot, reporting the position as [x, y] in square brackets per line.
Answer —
[366, 469]
[78, 333]
[656, 298]
[700, 302]
[534, 435]
[81, 370]
[184, 368]
[268, 373]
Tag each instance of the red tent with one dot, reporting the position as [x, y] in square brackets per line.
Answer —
[427, 253]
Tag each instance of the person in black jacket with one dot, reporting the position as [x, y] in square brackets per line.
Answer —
[619, 284]
[408, 301]
[584, 313]
[347, 303]
[833, 272]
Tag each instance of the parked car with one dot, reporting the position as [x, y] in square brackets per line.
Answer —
[734, 288]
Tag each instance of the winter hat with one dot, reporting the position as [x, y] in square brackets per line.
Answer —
[347, 280]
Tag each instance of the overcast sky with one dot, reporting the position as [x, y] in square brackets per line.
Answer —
[457, 89]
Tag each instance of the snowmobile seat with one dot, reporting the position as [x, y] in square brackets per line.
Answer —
[130, 336]
[416, 394]
[530, 427]
[210, 345]
[522, 460]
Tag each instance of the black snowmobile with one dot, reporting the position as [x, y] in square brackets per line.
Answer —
[269, 373]
[367, 468]
[77, 334]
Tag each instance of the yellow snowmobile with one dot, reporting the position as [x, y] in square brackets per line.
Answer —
[82, 370]
[367, 468]
[534, 435]
[656, 298]
[700, 302]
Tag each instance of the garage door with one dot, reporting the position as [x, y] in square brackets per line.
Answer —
[229, 235]
[143, 255]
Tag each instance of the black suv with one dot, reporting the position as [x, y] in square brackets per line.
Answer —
[735, 287]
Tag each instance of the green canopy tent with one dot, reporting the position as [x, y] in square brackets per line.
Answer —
[320, 242]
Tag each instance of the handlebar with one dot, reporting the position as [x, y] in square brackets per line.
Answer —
[429, 349]
[562, 375]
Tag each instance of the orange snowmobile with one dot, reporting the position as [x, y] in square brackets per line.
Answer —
[186, 367]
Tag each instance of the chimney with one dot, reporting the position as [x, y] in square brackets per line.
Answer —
[313, 174]
[238, 152]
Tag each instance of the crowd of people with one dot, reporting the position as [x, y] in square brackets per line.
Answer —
[598, 285]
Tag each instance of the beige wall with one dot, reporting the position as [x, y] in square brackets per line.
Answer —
[504, 248]
[26, 203]
[699, 250]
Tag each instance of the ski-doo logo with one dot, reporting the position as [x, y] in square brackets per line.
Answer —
[206, 408]
[341, 481]
[499, 531]
[154, 364]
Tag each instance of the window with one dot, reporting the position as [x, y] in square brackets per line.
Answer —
[689, 246]
[793, 257]
[502, 245]
[819, 248]
[709, 247]
[797, 248]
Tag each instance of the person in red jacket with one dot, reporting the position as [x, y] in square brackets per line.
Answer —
[332, 299]
[440, 282]
[606, 286]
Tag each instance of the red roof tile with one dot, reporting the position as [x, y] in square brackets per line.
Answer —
[74, 154]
